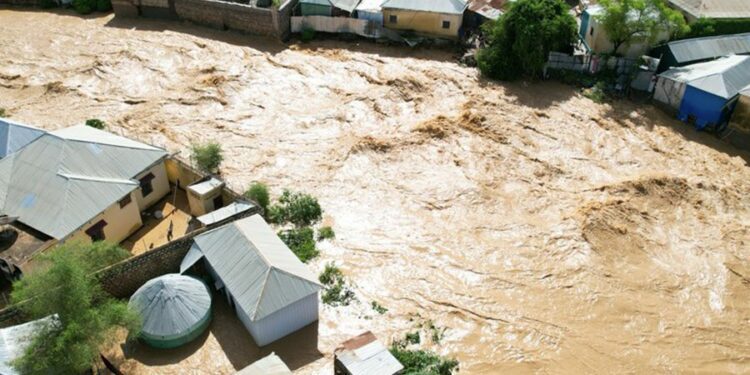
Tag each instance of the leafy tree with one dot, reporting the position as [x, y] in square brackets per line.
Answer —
[301, 242]
[84, 6]
[520, 41]
[630, 21]
[208, 156]
[258, 193]
[103, 5]
[96, 123]
[297, 208]
[88, 316]
[712, 26]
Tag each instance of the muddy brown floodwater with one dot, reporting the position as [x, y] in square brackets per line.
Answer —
[544, 232]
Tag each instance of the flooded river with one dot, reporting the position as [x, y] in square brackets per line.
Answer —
[544, 232]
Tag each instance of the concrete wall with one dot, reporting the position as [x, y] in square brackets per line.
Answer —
[160, 184]
[423, 22]
[121, 222]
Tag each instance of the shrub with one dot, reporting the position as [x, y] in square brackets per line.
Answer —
[296, 208]
[96, 123]
[412, 338]
[301, 242]
[258, 193]
[307, 34]
[325, 233]
[2, 112]
[84, 6]
[423, 362]
[597, 93]
[104, 5]
[520, 41]
[208, 156]
[378, 308]
[336, 291]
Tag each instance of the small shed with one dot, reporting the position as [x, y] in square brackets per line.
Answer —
[365, 355]
[204, 195]
[268, 365]
[271, 290]
[15, 339]
[175, 310]
[671, 85]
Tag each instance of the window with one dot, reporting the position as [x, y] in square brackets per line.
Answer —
[392, 18]
[146, 186]
[125, 201]
[96, 231]
[446, 24]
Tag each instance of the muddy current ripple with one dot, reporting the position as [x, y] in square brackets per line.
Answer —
[545, 232]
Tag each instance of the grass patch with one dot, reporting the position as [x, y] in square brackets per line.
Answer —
[301, 242]
[326, 233]
[336, 292]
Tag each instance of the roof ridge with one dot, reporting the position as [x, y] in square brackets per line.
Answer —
[72, 176]
[262, 293]
[298, 276]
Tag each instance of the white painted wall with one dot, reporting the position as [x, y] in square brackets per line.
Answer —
[121, 223]
[160, 184]
[283, 322]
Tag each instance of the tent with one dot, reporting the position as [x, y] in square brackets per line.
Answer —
[175, 310]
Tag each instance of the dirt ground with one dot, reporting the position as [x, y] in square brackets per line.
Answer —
[544, 232]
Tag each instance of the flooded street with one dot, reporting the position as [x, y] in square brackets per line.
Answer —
[546, 233]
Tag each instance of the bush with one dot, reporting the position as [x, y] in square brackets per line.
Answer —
[296, 208]
[597, 93]
[380, 309]
[307, 34]
[711, 27]
[96, 123]
[2, 112]
[84, 6]
[208, 156]
[520, 41]
[301, 242]
[47, 4]
[258, 193]
[336, 291]
[325, 233]
[104, 5]
[423, 362]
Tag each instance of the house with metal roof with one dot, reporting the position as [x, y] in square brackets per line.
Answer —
[331, 8]
[690, 51]
[271, 290]
[712, 9]
[365, 355]
[14, 136]
[595, 38]
[80, 183]
[704, 94]
[440, 18]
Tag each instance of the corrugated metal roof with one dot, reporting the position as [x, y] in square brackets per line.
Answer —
[372, 6]
[490, 9]
[14, 136]
[64, 179]
[257, 268]
[697, 49]
[316, 2]
[714, 8]
[207, 186]
[434, 6]
[225, 212]
[15, 339]
[347, 5]
[724, 77]
[269, 365]
[365, 355]
[172, 305]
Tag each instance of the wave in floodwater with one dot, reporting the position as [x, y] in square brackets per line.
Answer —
[539, 231]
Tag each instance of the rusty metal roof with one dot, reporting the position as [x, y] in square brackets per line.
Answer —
[714, 8]
[491, 9]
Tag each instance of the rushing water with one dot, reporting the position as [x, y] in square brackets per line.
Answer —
[544, 232]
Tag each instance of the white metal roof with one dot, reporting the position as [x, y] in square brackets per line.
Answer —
[14, 136]
[63, 179]
[365, 355]
[434, 6]
[347, 5]
[171, 305]
[255, 266]
[724, 77]
[714, 8]
[15, 339]
[225, 212]
[269, 365]
[372, 6]
[207, 186]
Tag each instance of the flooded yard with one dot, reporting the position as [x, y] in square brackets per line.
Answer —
[542, 231]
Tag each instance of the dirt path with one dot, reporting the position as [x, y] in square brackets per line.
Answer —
[547, 233]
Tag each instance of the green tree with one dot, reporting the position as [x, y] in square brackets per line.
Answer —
[84, 6]
[96, 123]
[208, 156]
[258, 193]
[520, 41]
[301, 242]
[88, 316]
[632, 21]
[297, 208]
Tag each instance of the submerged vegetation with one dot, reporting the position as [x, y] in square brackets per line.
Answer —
[87, 315]
[337, 292]
[297, 208]
[301, 242]
[207, 156]
[258, 193]
[96, 123]
[418, 361]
